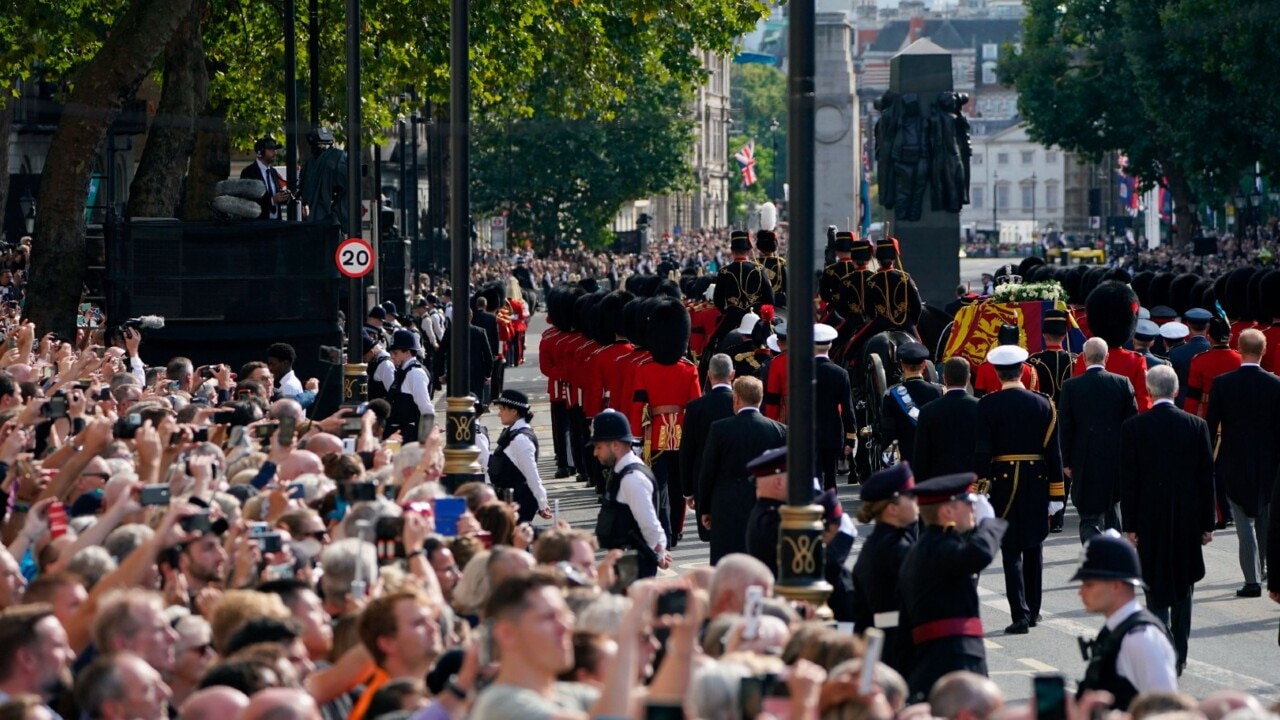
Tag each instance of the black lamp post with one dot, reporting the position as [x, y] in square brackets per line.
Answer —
[1255, 206]
[1241, 204]
[28, 205]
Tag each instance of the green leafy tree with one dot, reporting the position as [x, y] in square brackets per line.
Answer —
[759, 102]
[1173, 84]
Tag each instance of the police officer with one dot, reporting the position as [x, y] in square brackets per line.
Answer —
[410, 392]
[1053, 364]
[1016, 453]
[513, 462]
[900, 408]
[939, 580]
[1133, 654]
[888, 500]
[382, 370]
[631, 515]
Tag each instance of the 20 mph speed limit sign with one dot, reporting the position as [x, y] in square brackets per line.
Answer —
[354, 257]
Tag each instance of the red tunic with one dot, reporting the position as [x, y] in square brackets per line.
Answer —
[626, 400]
[775, 389]
[1238, 327]
[986, 381]
[547, 362]
[665, 390]
[1129, 364]
[1204, 368]
[567, 362]
[704, 317]
[1271, 360]
[604, 366]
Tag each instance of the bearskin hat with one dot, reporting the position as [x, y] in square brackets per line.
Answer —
[552, 301]
[611, 309]
[1092, 278]
[1158, 291]
[666, 288]
[1180, 293]
[688, 282]
[1141, 283]
[766, 241]
[1038, 273]
[1238, 293]
[630, 326]
[566, 299]
[643, 285]
[1113, 312]
[1071, 282]
[494, 295]
[589, 284]
[582, 313]
[1117, 274]
[667, 332]
[1269, 290]
[1257, 310]
[701, 285]
[1029, 262]
[1220, 292]
[1202, 295]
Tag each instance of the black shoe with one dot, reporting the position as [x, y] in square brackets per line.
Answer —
[1055, 529]
[563, 473]
[1021, 627]
[1221, 525]
[1250, 590]
[591, 482]
[1035, 620]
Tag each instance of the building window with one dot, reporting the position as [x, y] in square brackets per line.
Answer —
[1028, 157]
[1051, 157]
[976, 159]
[1028, 197]
[1002, 158]
[1051, 196]
[975, 196]
[990, 51]
[989, 73]
[1002, 197]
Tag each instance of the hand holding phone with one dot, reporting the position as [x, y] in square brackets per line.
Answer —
[753, 610]
[1050, 693]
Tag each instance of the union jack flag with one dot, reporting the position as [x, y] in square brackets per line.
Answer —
[746, 157]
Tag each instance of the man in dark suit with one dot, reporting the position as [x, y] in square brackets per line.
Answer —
[835, 430]
[946, 435]
[488, 322]
[1197, 321]
[1244, 414]
[901, 406]
[262, 168]
[1166, 505]
[715, 404]
[1091, 409]
[725, 495]
[480, 362]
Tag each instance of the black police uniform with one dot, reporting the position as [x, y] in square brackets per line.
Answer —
[405, 414]
[876, 601]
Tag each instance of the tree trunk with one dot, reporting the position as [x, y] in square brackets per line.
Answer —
[6, 126]
[1185, 220]
[210, 162]
[98, 95]
[156, 190]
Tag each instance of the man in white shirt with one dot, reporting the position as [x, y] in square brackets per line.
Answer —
[629, 517]
[280, 359]
[276, 195]
[1133, 654]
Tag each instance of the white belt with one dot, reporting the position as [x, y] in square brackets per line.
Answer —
[886, 620]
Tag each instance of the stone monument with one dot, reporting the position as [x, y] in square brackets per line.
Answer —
[838, 130]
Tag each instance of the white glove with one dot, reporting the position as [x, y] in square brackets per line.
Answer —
[982, 509]
[1055, 507]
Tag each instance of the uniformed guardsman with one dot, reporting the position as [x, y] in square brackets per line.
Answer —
[939, 581]
[894, 298]
[888, 500]
[741, 287]
[1017, 456]
[843, 285]
[900, 407]
[1053, 364]
[1197, 320]
[769, 471]
[1133, 654]
[1206, 366]
[767, 244]
[775, 383]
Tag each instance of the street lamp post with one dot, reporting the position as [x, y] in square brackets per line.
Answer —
[27, 204]
[1255, 206]
[1241, 203]
[773, 134]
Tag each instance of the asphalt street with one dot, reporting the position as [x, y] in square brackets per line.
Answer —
[1233, 641]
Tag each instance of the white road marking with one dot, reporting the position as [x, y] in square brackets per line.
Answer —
[1037, 665]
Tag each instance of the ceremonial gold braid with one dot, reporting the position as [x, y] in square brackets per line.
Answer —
[1053, 423]
[896, 309]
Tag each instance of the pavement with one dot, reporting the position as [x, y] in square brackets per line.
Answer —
[1233, 640]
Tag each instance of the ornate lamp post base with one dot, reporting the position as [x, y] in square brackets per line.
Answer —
[461, 456]
[355, 384]
[801, 556]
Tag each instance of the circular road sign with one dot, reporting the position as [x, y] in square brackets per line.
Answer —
[354, 257]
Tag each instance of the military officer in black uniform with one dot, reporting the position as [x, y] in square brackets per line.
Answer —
[939, 580]
[1017, 456]
[843, 285]
[888, 500]
[1133, 654]
[1053, 367]
[900, 408]
[741, 287]
[767, 244]
[893, 297]
[769, 471]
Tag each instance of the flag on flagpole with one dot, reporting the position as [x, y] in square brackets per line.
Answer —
[746, 157]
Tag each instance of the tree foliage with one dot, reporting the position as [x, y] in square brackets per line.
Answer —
[1179, 86]
[759, 100]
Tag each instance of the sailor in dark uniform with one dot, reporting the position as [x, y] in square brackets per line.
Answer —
[1053, 365]
[893, 297]
[888, 500]
[843, 285]
[1133, 654]
[1172, 335]
[900, 408]
[1017, 456]
[767, 244]
[939, 581]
